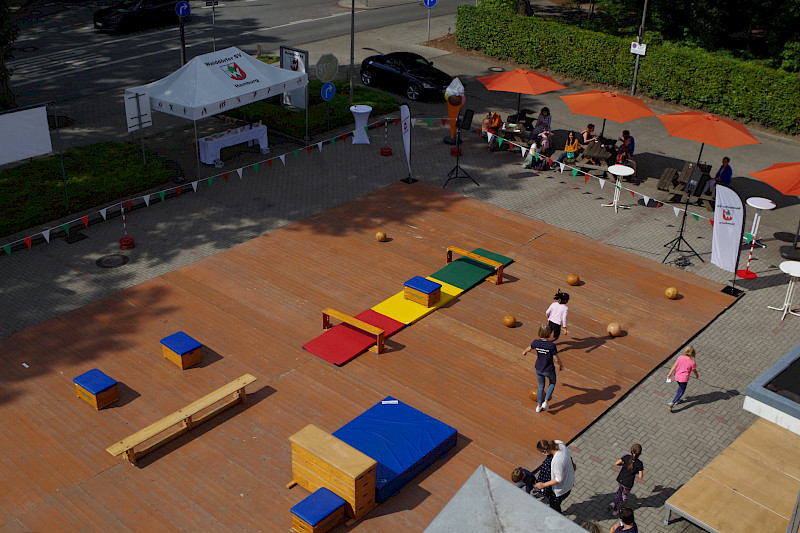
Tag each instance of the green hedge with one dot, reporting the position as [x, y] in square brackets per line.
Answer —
[686, 76]
[293, 122]
[33, 193]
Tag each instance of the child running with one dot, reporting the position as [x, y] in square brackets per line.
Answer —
[557, 314]
[631, 467]
[682, 368]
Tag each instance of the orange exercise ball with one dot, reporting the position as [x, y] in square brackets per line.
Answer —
[532, 394]
[380, 236]
[614, 329]
[672, 293]
[573, 279]
[509, 321]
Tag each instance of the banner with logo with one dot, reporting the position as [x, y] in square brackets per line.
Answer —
[728, 227]
[24, 134]
[297, 61]
[405, 121]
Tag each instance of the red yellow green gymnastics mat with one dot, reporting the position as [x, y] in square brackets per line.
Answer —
[408, 312]
[344, 342]
[465, 273]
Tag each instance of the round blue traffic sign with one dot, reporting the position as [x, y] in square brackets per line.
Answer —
[328, 91]
[182, 8]
[429, 3]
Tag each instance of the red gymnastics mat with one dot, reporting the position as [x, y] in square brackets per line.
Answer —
[343, 342]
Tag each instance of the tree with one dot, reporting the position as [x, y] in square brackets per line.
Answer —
[8, 34]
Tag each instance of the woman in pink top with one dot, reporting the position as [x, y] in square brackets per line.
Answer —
[682, 368]
[557, 314]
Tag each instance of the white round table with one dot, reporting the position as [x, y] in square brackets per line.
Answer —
[793, 269]
[759, 204]
[361, 115]
[618, 171]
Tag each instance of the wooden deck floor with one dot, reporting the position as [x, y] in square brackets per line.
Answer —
[254, 305]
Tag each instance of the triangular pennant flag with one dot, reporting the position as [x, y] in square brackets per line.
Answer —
[489, 136]
[675, 210]
[396, 121]
[162, 195]
[146, 199]
[500, 141]
[344, 136]
[128, 204]
[561, 167]
[7, 248]
[618, 186]
[65, 227]
[104, 212]
[239, 171]
[85, 220]
[46, 235]
[413, 122]
[523, 150]
[308, 150]
[429, 121]
[632, 193]
[225, 175]
[366, 129]
[694, 216]
[646, 199]
[282, 157]
[255, 167]
[536, 156]
[711, 220]
[658, 204]
[178, 189]
[444, 122]
[210, 181]
[269, 163]
[28, 241]
[574, 172]
[585, 179]
[749, 237]
[550, 161]
[319, 145]
[602, 182]
[194, 184]
[333, 141]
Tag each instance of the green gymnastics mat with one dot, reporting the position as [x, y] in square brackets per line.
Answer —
[465, 273]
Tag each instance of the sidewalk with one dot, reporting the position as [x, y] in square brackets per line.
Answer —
[51, 279]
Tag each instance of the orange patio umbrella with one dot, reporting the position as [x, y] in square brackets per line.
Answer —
[785, 178]
[520, 81]
[607, 105]
[706, 128]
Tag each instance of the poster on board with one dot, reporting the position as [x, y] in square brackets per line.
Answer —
[295, 60]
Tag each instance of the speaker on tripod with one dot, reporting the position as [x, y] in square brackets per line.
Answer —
[463, 123]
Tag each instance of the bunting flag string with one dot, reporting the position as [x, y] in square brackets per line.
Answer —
[146, 199]
[239, 171]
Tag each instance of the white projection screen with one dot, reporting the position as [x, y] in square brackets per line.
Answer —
[24, 134]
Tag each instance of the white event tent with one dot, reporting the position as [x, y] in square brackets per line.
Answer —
[213, 83]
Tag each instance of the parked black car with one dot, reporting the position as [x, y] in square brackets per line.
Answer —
[406, 73]
[130, 15]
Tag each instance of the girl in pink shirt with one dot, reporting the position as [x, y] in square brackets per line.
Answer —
[557, 314]
[682, 368]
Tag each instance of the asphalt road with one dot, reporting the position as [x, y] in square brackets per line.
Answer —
[60, 56]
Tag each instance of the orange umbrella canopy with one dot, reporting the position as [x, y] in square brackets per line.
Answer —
[707, 129]
[783, 177]
[520, 81]
[607, 105]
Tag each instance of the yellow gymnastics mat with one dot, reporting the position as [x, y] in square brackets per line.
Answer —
[408, 312]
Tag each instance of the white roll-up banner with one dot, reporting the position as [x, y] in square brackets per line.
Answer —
[405, 121]
[728, 225]
[24, 134]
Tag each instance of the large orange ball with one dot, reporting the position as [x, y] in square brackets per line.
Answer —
[380, 236]
[532, 394]
[573, 279]
[614, 329]
[509, 321]
[671, 293]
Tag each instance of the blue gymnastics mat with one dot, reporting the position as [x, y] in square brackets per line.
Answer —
[402, 440]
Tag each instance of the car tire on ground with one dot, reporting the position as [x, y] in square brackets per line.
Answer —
[366, 77]
[413, 92]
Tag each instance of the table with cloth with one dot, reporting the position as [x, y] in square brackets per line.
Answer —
[210, 146]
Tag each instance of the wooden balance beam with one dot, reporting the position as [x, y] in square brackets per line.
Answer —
[380, 334]
[185, 417]
[497, 279]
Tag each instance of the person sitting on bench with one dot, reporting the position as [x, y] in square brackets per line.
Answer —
[570, 148]
[723, 176]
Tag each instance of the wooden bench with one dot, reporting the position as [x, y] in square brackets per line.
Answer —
[668, 177]
[380, 334]
[497, 279]
[185, 417]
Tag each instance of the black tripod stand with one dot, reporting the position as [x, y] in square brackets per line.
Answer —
[454, 174]
[675, 244]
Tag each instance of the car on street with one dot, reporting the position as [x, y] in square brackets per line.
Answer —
[406, 73]
[130, 15]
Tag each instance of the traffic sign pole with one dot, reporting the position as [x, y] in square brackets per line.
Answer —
[429, 4]
[182, 9]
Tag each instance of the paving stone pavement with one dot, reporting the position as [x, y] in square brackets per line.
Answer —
[52, 279]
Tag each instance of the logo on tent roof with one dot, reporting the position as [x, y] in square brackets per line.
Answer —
[234, 71]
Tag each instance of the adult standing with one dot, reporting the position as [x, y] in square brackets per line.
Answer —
[682, 368]
[562, 471]
[546, 354]
[724, 176]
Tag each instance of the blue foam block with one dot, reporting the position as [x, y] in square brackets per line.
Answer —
[180, 343]
[94, 381]
[318, 506]
[402, 440]
[425, 286]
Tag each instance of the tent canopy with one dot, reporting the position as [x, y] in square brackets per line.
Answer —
[216, 82]
[487, 503]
